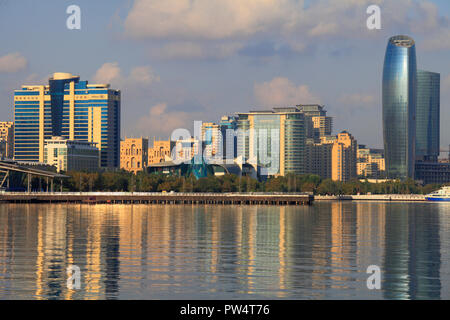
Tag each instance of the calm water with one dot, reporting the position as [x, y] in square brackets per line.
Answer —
[225, 252]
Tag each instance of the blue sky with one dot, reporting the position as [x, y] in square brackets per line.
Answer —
[182, 60]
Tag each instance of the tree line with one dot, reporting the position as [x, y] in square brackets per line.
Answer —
[144, 182]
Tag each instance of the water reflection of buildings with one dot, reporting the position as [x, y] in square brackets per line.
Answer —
[412, 252]
[44, 240]
[343, 244]
[220, 251]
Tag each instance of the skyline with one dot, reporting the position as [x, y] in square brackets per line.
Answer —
[171, 76]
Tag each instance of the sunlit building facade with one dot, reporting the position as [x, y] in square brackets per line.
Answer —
[160, 151]
[370, 162]
[317, 123]
[134, 154]
[399, 106]
[72, 109]
[343, 157]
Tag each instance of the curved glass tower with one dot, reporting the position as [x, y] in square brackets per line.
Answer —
[399, 107]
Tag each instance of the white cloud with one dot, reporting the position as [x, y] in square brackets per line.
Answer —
[196, 50]
[34, 78]
[12, 62]
[142, 75]
[107, 73]
[186, 26]
[110, 72]
[161, 121]
[282, 92]
[158, 110]
[207, 19]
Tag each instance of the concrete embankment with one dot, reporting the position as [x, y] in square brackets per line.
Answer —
[159, 198]
[374, 197]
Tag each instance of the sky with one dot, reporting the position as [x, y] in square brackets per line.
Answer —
[177, 61]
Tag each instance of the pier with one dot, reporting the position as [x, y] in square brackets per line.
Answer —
[159, 198]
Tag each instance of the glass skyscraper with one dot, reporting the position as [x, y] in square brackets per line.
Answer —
[273, 141]
[399, 106]
[427, 116]
[69, 108]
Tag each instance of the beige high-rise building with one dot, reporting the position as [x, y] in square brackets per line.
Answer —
[318, 158]
[6, 140]
[160, 152]
[134, 154]
[322, 126]
[370, 162]
[333, 158]
[317, 123]
[343, 157]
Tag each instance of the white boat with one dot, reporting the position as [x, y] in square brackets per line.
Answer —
[442, 194]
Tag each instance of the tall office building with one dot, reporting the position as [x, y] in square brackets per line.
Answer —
[7, 140]
[399, 106]
[69, 108]
[427, 116]
[272, 141]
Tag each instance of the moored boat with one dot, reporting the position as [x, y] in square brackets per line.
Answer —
[442, 194]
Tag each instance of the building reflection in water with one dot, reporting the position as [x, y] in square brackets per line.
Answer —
[412, 252]
[163, 251]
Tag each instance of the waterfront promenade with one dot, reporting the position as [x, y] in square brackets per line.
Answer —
[159, 198]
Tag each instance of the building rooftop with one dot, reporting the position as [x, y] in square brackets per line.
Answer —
[402, 41]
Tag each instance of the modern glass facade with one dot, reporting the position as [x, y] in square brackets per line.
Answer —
[69, 108]
[399, 106]
[273, 141]
[427, 116]
[228, 127]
